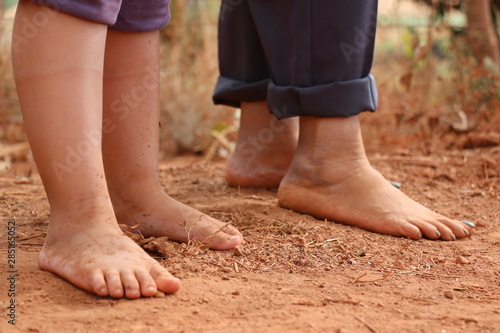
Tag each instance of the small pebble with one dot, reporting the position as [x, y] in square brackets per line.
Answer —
[462, 260]
[236, 293]
[301, 242]
[449, 294]
[239, 250]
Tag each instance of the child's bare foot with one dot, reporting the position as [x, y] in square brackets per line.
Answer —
[264, 149]
[330, 177]
[156, 214]
[99, 258]
[131, 146]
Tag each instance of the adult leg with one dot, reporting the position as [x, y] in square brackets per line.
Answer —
[320, 72]
[131, 146]
[265, 145]
[264, 149]
[59, 80]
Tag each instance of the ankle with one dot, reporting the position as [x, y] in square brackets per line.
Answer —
[61, 228]
[135, 188]
[330, 140]
[262, 127]
[79, 205]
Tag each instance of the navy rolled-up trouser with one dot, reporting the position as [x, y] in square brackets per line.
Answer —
[305, 57]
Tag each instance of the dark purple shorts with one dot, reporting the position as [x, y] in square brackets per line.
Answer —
[121, 15]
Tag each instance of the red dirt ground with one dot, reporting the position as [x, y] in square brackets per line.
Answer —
[296, 273]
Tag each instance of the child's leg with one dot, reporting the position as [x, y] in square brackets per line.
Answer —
[59, 75]
[131, 147]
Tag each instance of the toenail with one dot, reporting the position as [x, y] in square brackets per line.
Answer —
[151, 288]
[466, 232]
[453, 237]
[232, 238]
[438, 233]
[470, 224]
[396, 185]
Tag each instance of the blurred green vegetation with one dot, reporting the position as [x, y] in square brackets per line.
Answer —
[433, 90]
[8, 3]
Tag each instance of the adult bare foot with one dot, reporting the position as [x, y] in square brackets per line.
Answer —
[264, 149]
[99, 258]
[331, 178]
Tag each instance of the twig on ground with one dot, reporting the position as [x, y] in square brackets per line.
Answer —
[215, 233]
[424, 300]
[359, 277]
[129, 227]
[366, 324]
[261, 228]
[263, 237]
[31, 237]
[418, 161]
[7, 150]
[23, 193]
[343, 301]
[239, 263]
[397, 262]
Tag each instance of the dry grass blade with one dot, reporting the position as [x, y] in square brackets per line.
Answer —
[366, 324]
[13, 148]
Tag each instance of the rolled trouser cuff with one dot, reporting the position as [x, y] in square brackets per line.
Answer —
[339, 99]
[232, 92]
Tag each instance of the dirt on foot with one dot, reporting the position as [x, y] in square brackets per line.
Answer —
[295, 274]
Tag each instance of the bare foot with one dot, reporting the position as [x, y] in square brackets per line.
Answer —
[100, 259]
[331, 178]
[131, 146]
[156, 214]
[264, 149]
